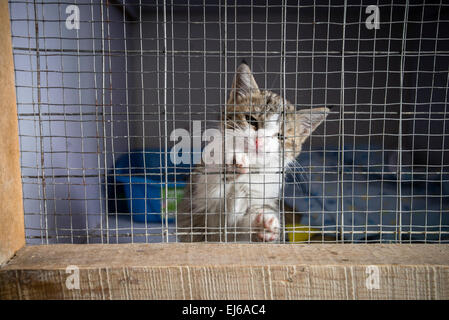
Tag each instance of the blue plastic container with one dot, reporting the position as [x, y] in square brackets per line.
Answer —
[140, 182]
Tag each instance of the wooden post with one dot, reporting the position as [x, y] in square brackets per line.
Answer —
[12, 233]
[228, 271]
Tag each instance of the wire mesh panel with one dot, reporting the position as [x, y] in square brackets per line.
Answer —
[343, 102]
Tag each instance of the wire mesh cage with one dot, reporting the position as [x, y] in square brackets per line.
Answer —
[106, 90]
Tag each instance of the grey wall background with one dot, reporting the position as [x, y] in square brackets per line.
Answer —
[87, 96]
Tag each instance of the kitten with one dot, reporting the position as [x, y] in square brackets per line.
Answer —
[239, 200]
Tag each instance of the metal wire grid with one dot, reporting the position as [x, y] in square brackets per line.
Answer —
[136, 70]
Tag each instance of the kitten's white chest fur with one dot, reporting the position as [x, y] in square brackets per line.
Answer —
[262, 188]
[231, 207]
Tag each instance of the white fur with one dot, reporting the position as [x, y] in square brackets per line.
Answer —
[244, 208]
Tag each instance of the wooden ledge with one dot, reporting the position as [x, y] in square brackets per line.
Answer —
[229, 271]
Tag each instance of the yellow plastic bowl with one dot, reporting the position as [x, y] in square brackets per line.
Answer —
[299, 233]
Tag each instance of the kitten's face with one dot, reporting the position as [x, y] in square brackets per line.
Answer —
[266, 123]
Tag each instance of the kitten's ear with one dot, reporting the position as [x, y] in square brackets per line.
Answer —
[308, 120]
[244, 83]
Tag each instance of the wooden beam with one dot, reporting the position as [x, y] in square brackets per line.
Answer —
[12, 233]
[229, 271]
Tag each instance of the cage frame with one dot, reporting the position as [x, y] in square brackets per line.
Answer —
[193, 270]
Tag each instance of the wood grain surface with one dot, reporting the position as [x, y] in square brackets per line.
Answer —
[12, 233]
[228, 271]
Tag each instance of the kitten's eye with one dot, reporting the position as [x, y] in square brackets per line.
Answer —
[281, 136]
[252, 121]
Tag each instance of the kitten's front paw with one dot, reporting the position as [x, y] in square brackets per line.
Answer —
[240, 163]
[268, 223]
